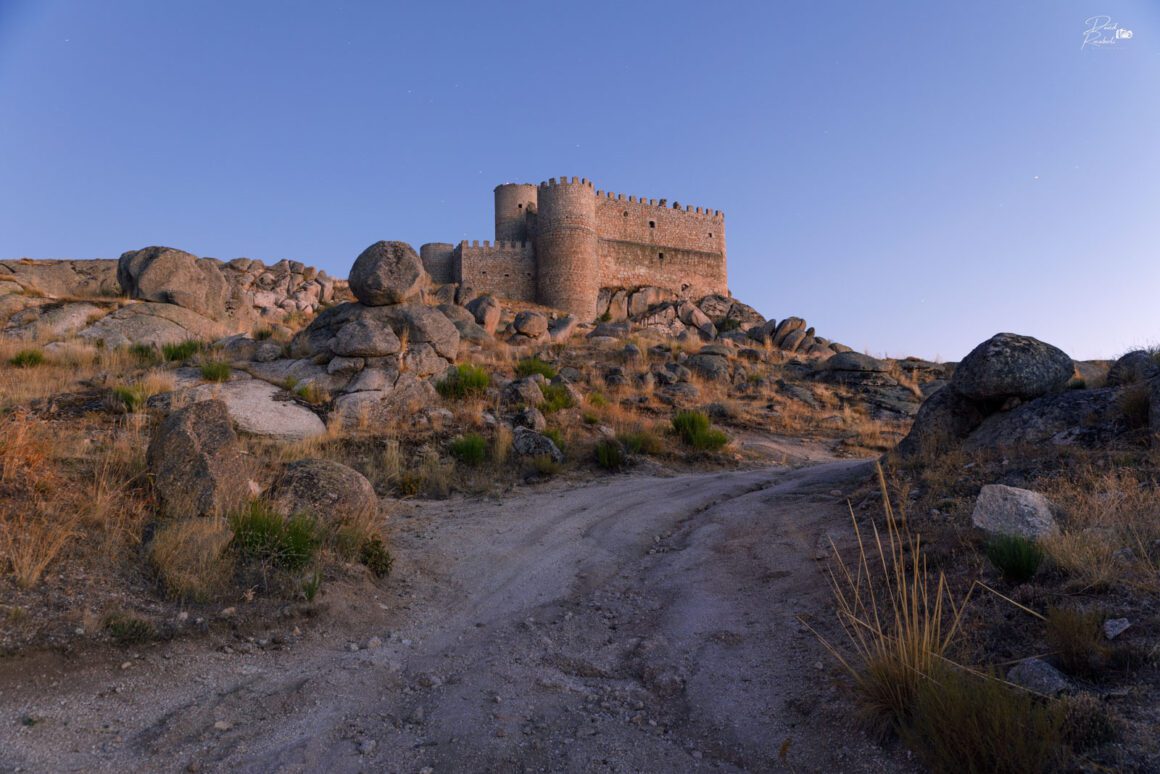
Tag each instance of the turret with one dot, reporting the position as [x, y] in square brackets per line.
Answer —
[513, 203]
[436, 258]
[568, 269]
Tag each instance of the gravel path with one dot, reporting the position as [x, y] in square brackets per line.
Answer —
[633, 624]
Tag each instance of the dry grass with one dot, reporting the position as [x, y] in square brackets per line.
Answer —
[192, 559]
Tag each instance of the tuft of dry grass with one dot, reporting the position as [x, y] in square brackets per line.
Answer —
[192, 559]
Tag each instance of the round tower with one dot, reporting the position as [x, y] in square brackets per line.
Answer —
[513, 201]
[436, 258]
[567, 266]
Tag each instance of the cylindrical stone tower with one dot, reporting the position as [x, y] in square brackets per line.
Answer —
[568, 269]
[513, 201]
[436, 258]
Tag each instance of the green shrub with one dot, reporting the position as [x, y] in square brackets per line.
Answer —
[961, 722]
[695, 430]
[606, 317]
[555, 436]
[215, 371]
[146, 353]
[129, 630]
[545, 465]
[466, 380]
[726, 324]
[180, 352]
[597, 400]
[376, 557]
[589, 418]
[312, 393]
[642, 442]
[311, 585]
[556, 397]
[27, 358]
[263, 535]
[533, 365]
[1016, 557]
[610, 454]
[470, 449]
[132, 397]
[263, 333]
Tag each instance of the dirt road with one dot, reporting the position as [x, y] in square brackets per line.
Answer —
[633, 624]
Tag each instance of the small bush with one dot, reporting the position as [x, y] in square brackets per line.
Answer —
[132, 397]
[465, 381]
[556, 398]
[178, 353]
[545, 465]
[726, 324]
[597, 400]
[27, 358]
[312, 393]
[533, 365]
[129, 630]
[262, 334]
[589, 418]
[1016, 557]
[610, 454]
[311, 585]
[376, 557]
[555, 436]
[1134, 402]
[961, 722]
[146, 353]
[606, 317]
[695, 430]
[215, 371]
[263, 535]
[1076, 639]
[1088, 722]
[470, 449]
[642, 442]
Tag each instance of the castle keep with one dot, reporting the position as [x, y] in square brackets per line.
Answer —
[560, 242]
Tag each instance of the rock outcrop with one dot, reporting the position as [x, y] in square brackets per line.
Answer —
[388, 273]
[327, 490]
[1008, 510]
[1008, 365]
[197, 465]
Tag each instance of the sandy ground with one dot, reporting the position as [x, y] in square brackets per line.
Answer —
[632, 624]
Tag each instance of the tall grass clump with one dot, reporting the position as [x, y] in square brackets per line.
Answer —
[181, 351]
[977, 724]
[533, 365]
[556, 398]
[695, 430]
[642, 441]
[1015, 556]
[216, 371]
[470, 449]
[27, 358]
[465, 381]
[263, 535]
[610, 455]
[191, 558]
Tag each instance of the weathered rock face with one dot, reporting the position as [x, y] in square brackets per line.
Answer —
[1085, 418]
[1133, 368]
[357, 330]
[1008, 365]
[155, 324]
[326, 490]
[944, 419]
[531, 324]
[529, 443]
[261, 409]
[60, 279]
[388, 273]
[197, 464]
[1007, 510]
[51, 320]
[170, 276]
[382, 398]
[487, 312]
[711, 366]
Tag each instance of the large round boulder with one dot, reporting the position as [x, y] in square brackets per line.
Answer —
[166, 275]
[197, 463]
[943, 420]
[324, 489]
[388, 273]
[1133, 368]
[1008, 365]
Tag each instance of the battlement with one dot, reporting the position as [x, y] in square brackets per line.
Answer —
[498, 245]
[688, 209]
[551, 182]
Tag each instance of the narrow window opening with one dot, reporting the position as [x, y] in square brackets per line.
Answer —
[521, 206]
[661, 257]
[625, 213]
[652, 224]
[710, 234]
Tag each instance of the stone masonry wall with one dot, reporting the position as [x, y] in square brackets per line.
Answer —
[505, 269]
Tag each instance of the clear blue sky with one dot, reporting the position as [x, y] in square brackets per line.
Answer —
[909, 177]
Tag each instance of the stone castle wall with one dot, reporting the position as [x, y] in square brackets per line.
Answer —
[560, 242]
[505, 269]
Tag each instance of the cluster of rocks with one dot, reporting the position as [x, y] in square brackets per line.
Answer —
[186, 296]
[1014, 389]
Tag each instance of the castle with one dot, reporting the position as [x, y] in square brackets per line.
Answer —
[561, 242]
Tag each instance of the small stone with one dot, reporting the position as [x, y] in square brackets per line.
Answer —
[126, 664]
[1037, 675]
[367, 746]
[353, 647]
[374, 643]
[223, 725]
[1114, 627]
